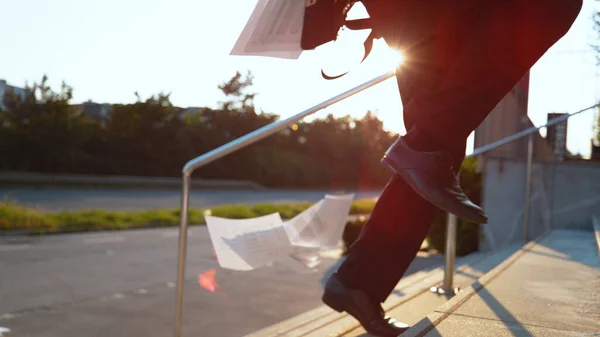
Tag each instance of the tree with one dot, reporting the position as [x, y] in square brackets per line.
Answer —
[142, 137]
[235, 91]
[43, 131]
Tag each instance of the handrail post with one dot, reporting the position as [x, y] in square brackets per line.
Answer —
[185, 202]
[450, 253]
[528, 187]
[447, 287]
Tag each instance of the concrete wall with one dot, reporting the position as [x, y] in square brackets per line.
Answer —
[507, 118]
[563, 195]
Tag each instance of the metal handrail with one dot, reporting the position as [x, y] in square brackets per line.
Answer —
[272, 128]
[226, 149]
[447, 286]
[526, 132]
[268, 130]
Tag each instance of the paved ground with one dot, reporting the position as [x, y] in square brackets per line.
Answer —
[551, 290]
[121, 284]
[409, 302]
[73, 199]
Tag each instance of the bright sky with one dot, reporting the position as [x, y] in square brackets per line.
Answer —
[108, 49]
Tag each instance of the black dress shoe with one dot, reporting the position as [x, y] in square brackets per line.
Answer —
[368, 313]
[433, 177]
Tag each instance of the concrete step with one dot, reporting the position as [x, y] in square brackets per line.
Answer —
[411, 300]
[550, 287]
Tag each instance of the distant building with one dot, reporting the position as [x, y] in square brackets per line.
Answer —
[556, 136]
[97, 111]
[4, 88]
[201, 113]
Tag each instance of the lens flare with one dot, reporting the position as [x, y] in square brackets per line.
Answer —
[207, 280]
[393, 57]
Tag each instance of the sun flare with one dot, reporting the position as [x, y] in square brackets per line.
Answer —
[392, 57]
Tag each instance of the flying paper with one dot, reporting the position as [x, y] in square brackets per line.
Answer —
[246, 244]
[273, 29]
[321, 225]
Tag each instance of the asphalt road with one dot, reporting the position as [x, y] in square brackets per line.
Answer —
[122, 284]
[75, 199]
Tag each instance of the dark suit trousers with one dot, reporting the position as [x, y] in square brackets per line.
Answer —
[461, 58]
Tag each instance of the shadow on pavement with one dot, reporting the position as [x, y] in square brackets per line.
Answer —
[503, 314]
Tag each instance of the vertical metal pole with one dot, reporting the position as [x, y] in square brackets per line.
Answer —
[185, 198]
[450, 253]
[528, 187]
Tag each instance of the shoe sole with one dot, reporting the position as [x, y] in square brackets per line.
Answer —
[390, 165]
[335, 303]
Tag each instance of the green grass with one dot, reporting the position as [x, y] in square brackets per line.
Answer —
[16, 217]
[13, 217]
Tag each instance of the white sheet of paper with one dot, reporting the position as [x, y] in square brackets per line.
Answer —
[321, 225]
[246, 244]
[273, 29]
[302, 260]
[300, 230]
[334, 215]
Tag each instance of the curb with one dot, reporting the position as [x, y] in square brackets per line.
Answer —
[113, 181]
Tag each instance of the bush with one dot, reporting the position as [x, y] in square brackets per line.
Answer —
[352, 232]
[363, 206]
[467, 236]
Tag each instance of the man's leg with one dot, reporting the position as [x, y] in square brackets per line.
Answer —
[499, 42]
[401, 219]
[504, 39]
[388, 243]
